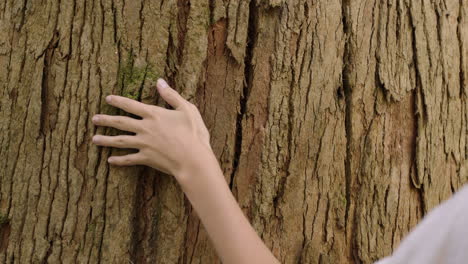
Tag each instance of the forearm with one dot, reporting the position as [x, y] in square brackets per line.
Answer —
[234, 238]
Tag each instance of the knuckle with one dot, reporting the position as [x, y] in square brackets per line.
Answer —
[132, 160]
[138, 142]
[147, 109]
[124, 105]
[136, 127]
[153, 114]
[144, 130]
[120, 140]
[143, 158]
[153, 111]
[117, 120]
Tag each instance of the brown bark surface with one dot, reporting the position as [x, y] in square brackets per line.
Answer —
[338, 124]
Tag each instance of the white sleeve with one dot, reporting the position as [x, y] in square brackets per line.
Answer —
[441, 237]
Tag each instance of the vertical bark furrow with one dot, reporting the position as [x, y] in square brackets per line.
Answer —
[247, 84]
[438, 148]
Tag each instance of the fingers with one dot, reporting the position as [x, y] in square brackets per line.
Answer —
[126, 160]
[128, 105]
[122, 141]
[171, 96]
[120, 122]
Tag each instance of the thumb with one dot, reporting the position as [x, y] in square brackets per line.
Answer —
[171, 96]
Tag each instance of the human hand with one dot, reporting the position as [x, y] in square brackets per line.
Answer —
[167, 140]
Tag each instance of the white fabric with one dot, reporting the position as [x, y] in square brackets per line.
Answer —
[441, 237]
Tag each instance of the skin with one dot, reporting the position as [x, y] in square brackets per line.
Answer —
[177, 142]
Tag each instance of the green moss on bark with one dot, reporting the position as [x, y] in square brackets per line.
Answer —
[133, 77]
[4, 219]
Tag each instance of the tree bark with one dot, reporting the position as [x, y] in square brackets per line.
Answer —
[338, 124]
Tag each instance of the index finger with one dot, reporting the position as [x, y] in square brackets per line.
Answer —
[128, 105]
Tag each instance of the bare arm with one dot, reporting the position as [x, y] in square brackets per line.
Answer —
[177, 142]
[234, 238]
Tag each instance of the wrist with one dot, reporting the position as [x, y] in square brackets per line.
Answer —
[201, 161]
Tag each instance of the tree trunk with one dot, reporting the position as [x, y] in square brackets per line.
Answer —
[338, 124]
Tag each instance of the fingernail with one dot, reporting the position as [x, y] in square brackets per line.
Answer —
[110, 159]
[95, 118]
[108, 98]
[162, 84]
[95, 139]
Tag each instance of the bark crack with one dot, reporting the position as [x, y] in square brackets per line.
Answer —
[46, 96]
[345, 75]
[248, 69]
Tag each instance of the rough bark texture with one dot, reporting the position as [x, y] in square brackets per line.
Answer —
[338, 123]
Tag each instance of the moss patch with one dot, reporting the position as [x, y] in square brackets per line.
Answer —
[4, 219]
[132, 77]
